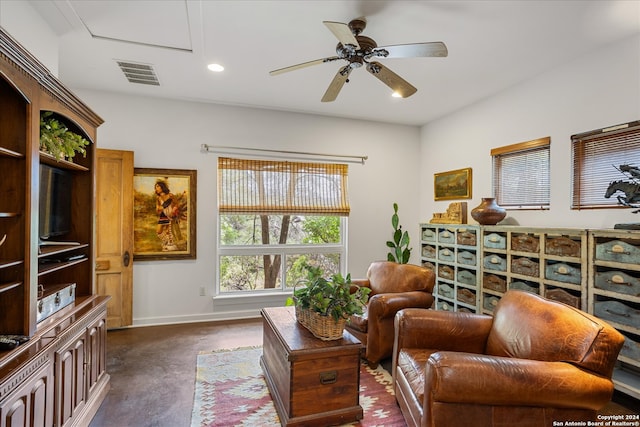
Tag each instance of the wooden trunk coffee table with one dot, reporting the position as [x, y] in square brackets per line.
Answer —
[312, 382]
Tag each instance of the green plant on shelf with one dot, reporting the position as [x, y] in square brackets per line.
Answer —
[57, 140]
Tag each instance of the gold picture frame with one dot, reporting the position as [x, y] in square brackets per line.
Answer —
[164, 202]
[455, 184]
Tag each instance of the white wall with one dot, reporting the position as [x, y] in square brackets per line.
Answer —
[168, 134]
[36, 36]
[595, 91]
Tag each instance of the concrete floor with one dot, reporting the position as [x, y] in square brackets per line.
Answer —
[153, 372]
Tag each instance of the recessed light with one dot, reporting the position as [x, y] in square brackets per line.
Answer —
[215, 67]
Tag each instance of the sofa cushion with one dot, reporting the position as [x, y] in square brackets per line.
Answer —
[412, 362]
[388, 277]
[525, 326]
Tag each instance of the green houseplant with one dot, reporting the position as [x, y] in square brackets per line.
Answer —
[57, 140]
[329, 302]
[400, 250]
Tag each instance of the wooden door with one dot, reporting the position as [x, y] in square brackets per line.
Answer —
[114, 234]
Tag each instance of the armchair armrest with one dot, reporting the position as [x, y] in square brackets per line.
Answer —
[387, 305]
[441, 330]
[504, 381]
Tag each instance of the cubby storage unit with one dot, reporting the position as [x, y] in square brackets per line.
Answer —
[547, 261]
[614, 295]
[58, 377]
[452, 252]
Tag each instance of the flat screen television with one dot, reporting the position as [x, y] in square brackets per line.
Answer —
[55, 202]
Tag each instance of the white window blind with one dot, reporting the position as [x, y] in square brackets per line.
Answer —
[265, 187]
[597, 156]
[521, 174]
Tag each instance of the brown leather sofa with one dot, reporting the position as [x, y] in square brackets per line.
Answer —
[393, 287]
[535, 361]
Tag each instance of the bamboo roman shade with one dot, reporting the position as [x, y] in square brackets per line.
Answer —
[269, 187]
[596, 157]
[521, 174]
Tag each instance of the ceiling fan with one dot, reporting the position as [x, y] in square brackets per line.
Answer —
[359, 50]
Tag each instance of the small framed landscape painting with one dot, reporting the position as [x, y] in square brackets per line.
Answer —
[164, 214]
[455, 184]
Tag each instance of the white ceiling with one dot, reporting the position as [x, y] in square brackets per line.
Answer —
[492, 45]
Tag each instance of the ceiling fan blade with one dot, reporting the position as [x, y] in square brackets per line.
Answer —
[336, 84]
[391, 79]
[303, 65]
[413, 50]
[342, 32]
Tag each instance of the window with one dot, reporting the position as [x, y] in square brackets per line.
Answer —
[521, 174]
[275, 217]
[599, 158]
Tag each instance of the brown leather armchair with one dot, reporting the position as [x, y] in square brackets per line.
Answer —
[393, 287]
[533, 362]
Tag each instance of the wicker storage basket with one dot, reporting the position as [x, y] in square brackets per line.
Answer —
[323, 327]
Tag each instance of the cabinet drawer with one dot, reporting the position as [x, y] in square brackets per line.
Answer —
[563, 296]
[466, 296]
[618, 251]
[563, 273]
[617, 281]
[493, 282]
[495, 262]
[429, 265]
[446, 236]
[445, 290]
[467, 277]
[428, 251]
[445, 272]
[429, 235]
[466, 237]
[618, 312]
[495, 241]
[630, 349]
[563, 246]
[467, 258]
[446, 254]
[526, 267]
[489, 302]
[444, 306]
[524, 286]
[525, 243]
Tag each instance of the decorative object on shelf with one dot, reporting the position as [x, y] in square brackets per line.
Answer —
[488, 212]
[324, 305]
[455, 184]
[57, 140]
[631, 190]
[456, 214]
[164, 214]
[400, 250]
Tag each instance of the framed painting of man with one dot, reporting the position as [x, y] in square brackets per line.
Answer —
[164, 214]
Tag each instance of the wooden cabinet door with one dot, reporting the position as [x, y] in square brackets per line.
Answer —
[70, 380]
[32, 404]
[114, 234]
[96, 356]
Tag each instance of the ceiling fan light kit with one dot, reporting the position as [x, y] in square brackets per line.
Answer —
[359, 51]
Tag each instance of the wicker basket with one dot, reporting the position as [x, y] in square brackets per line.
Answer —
[323, 327]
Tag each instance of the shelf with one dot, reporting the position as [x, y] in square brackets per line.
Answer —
[10, 153]
[50, 268]
[10, 263]
[46, 251]
[4, 287]
[48, 159]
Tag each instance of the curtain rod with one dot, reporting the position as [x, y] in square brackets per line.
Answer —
[345, 158]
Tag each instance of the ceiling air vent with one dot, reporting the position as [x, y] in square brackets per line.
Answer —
[139, 73]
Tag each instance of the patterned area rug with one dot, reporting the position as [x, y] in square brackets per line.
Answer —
[231, 391]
